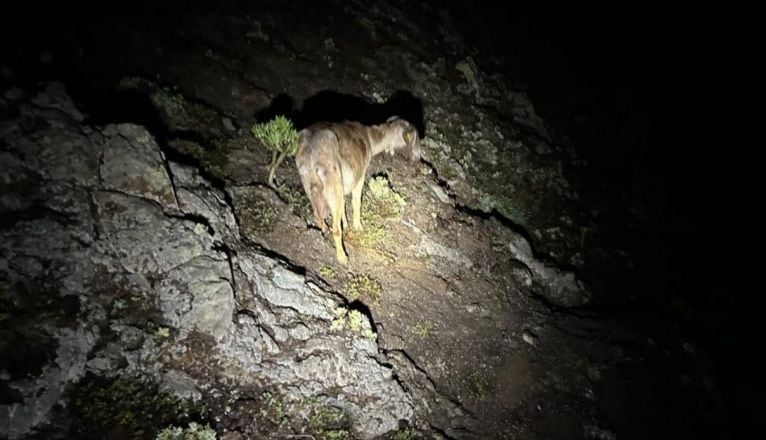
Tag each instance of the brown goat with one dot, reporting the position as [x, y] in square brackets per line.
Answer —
[332, 161]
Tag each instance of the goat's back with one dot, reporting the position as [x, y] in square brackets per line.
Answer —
[339, 151]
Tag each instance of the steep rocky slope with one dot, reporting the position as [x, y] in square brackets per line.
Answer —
[142, 251]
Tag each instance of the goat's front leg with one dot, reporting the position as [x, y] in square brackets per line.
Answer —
[356, 203]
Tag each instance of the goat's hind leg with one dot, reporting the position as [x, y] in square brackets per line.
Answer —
[338, 212]
[343, 219]
[356, 203]
[319, 220]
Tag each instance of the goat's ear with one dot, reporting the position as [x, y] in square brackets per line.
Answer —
[392, 119]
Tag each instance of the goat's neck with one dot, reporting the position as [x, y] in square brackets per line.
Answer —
[380, 138]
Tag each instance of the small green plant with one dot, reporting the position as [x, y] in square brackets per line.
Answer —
[339, 322]
[369, 334]
[351, 319]
[424, 328]
[364, 286]
[373, 234]
[405, 434]
[279, 137]
[118, 306]
[355, 320]
[328, 423]
[384, 202]
[162, 333]
[381, 205]
[194, 431]
[328, 272]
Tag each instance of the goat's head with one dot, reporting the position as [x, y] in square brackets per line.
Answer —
[409, 136]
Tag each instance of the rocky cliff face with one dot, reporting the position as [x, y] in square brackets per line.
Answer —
[142, 250]
[149, 277]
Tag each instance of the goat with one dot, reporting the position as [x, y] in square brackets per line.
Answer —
[332, 161]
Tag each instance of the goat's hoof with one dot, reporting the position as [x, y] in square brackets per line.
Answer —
[342, 260]
[358, 227]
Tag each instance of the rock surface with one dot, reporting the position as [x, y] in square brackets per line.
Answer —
[142, 244]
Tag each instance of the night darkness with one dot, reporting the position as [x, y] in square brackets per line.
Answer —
[649, 97]
[653, 96]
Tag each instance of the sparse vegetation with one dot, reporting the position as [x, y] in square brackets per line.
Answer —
[364, 286]
[194, 431]
[353, 320]
[478, 384]
[297, 199]
[255, 213]
[381, 205]
[373, 234]
[369, 334]
[135, 408]
[273, 416]
[339, 322]
[119, 305]
[424, 328]
[279, 137]
[328, 423]
[328, 272]
[162, 333]
[383, 201]
[405, 434]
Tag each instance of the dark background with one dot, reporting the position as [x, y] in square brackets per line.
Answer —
[654, 96]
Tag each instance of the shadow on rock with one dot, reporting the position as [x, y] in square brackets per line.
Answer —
[332, 106]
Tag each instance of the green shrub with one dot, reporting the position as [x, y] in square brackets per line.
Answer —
[279, 137]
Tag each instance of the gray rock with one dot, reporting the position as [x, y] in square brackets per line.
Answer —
[41, 393]
[197, 295]
[557, 286]
[310, 359]
[141, 243]
[180, 384]
[56, 97]
[197, 197]
[283, 288]
[429, 247]
[133, 164]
